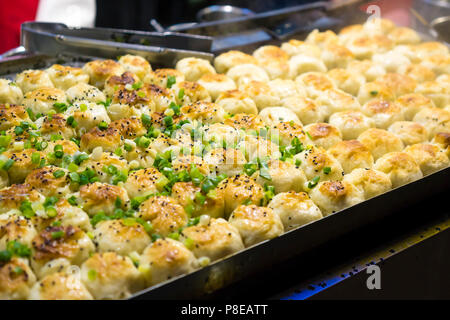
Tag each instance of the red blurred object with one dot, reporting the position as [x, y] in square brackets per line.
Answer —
[12, 14]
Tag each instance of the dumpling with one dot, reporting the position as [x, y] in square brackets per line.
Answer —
[306, 109]
[429, 157]
[274, 60]
[380, 142]
[439, 92]
[382, 112]
[108, 139]
[43, 100]
[417, 72]
[283, 176]
[10, 92]
[135, 64]
[322, 38]
[286, 88]
[400, 167]
[391, 60]
[194, 68]
[261, 94]
[64, 77]
[295, 47]
[240, 189]
[399, 83]
[144, 182]
[410, 132]
[110, 276]
[404, 35]
[187, 92]
[216, 84]
[230, 59]
[303, 63]
[347, 81]
[337, 100]
[30, 80]
[235, 102]
[166, 259]
[12, 116]
[367, 68]
[364, 47]
[244, 73]
[324, 135]
[206, 112]
[434, 120]
[215, 240]
[375, 90]
[317, 164]
[165, 214]
[47, 182]
[100, 70]
[67, 242]
[273, 115]
[101, 197]
[122, 236]
[16, 279]
[226, 161]
[160, 77]
[258, 147]
[83, 92]
[189, 197]
[371, 182]
[336, 56]
[315, 83]
[256, 224]
[412, 103]
[294, 209]
[333, 196]
[351, 123]
[352, 154]
[245, 121]
[442, 140]
[60, 286]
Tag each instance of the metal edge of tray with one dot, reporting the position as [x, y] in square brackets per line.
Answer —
[234, 268]
[231, 269]
[51, 44]
[165, 39]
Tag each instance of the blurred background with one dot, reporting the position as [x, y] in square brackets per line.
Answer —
[137, 14]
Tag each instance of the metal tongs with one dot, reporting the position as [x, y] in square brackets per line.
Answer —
[161, 48]
[255, 29]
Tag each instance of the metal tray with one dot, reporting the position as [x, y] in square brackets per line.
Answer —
[260, 257]
[202, 282]
[163, 49]
[231, 269]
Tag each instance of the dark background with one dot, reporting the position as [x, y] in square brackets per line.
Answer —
[136, 14]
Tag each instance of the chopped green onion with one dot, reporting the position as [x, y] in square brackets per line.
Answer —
[35, 157]
[8, 164]
[57, 234]
[72, 201]
[72, 122]
[171, 80]
[51, 212]
[103, 125]
[58, 173]
[92, 274]
[26, 209]
[313, 182]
